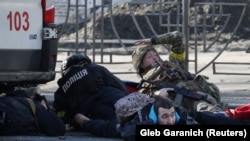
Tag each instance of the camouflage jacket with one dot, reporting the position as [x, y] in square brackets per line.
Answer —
[175, 39]
[155, 78]
[162, 74]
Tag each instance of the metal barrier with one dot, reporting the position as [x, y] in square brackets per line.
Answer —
[199, 26]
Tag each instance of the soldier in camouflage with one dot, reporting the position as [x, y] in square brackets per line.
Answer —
[155, 73]
[177, 52]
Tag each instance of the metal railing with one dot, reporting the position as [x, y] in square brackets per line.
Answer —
[176, 17]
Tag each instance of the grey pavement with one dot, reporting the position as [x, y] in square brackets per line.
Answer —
[235, 89]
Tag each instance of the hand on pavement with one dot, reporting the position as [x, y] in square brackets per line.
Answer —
[69, 127]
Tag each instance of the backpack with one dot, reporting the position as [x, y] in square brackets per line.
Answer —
[131, 104]
[17, 116]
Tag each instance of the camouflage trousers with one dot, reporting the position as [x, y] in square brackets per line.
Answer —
[202, 106]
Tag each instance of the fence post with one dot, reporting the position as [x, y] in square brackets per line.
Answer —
[248, 15]
[185, 7]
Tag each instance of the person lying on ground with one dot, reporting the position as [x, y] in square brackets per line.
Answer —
[101, 127]
[135, 109]
[86, 88]
[21, 114]
[155, 73]
[141, 109]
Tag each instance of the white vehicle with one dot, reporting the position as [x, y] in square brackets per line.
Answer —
[28, 42]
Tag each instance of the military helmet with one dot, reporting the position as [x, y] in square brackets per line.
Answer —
[138, 55]
[76, 59]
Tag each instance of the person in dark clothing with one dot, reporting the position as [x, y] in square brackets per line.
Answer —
[24, 115]
[88, 89]
[140, 109]
[162, 111]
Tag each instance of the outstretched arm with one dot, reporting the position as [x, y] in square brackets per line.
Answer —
[143, 42]
[175, 39]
